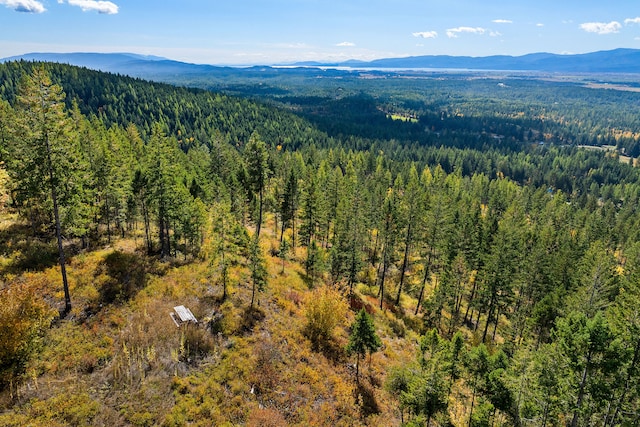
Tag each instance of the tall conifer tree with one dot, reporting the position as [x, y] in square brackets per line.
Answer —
[44, 159]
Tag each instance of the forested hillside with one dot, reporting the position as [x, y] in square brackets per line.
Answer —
[353, 259]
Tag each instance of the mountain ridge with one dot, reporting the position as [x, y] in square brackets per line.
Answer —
[622, 60]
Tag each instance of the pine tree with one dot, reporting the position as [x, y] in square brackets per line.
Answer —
[283, 254]
[256, 157]
[312, 210]
[437, 224]
[347, 242]
[389, 235]
[162, 172]
[6, 118]
[44, 159]
[502, 266]
[426, 395]
[227, 244]
[594, 357]
[410, 211]
[289, 207]
[363, 338]
[258, 267]
[314, 264]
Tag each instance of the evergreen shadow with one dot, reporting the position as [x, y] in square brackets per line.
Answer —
[26, 251]
[127, 274]
[366, 400]
[250, 317]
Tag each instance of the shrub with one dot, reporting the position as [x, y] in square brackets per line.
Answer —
[326, 308]
[75, 409]
[197, 342]
[397, 327]
[35, 256]
[24, 318]
[266, 417]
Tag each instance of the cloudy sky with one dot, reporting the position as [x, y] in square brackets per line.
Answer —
[276, 31]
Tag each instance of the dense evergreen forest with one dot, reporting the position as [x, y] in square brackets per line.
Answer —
[378, 251]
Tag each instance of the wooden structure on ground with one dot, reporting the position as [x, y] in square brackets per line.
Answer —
[182, 315]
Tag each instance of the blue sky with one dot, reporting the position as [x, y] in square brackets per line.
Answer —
[277, 31]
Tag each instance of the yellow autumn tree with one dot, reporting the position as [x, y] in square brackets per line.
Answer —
[325, 310]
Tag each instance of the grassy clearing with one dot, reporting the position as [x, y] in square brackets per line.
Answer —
[402, 118]
[120, 360]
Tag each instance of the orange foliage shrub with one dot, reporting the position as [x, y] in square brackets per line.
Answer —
[266, 418]
[24, 318]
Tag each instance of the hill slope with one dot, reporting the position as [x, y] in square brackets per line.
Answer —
[497, 296]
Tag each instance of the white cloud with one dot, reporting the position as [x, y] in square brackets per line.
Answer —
[453, 32]
[426, 34]
[495, 34]
[632, 21]
[29, 6]
[601, 27]
[105, 7]
[346, 44]
[539, 24]
[502, 21]
[291, 46]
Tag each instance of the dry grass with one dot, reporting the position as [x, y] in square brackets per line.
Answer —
[126, 363]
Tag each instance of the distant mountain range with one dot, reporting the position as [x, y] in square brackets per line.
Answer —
[122, 63]
[153, 67]
[611, 61]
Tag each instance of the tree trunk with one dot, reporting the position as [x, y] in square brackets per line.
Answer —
[253, 293]
[458, 300]
[281, 231]
[427, 269]
[106, 211]
[384, 273]
[473, 400]
[495, 325]
[471, 296]
[374, 253]
[260, 207]
[161, 235]
[224, 279]
[545, 414]
[405, 261]
[477, 323]
[352, 268]
[489, 315]
[583, 383]
[293, 229]
[175, 244]
[56, 215]
[147, 227]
